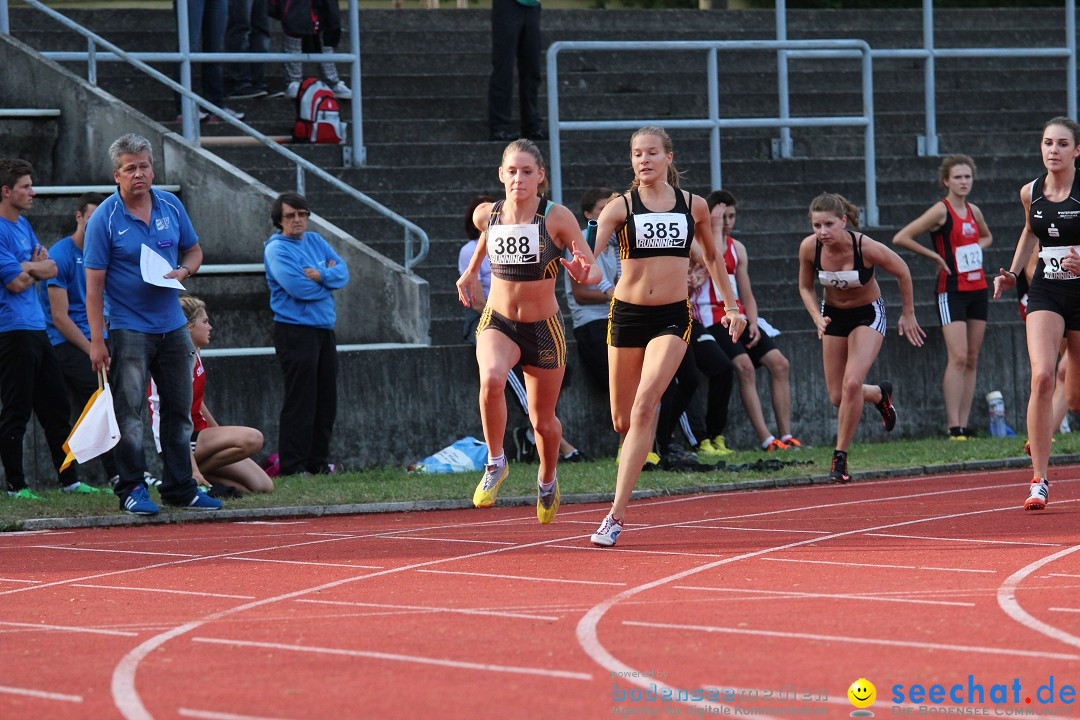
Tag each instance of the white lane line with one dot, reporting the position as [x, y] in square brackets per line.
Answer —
[424, 608]
[787, 595]
[587, 629]
[439, 539]
[593, 548]
[211, 715]
[335, 534]
[859, 640]
[163, 590]
[37, 532]
[878, 565]
[40, 694]
[302, 562]
[67, 628]
[1072, 610]
[32, 582]
[485, 667]
[126, 697]
[1006, 597]
[967, 540]
[1069, 575]
[750, 529]
[100, 550]
[272, 522]
[521, 577]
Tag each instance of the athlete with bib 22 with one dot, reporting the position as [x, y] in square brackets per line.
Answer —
[850, 320]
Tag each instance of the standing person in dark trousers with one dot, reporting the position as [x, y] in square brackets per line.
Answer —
[63, 298]
[28, 368]
[248, 31]
[515, 36]
[207, 20]
[303, 272]
[147, 329]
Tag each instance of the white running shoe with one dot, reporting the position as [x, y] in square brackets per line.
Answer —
[608, 532]
[341, 90]
[1039, 495]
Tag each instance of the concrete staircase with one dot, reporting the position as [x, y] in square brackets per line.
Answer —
[425, 82]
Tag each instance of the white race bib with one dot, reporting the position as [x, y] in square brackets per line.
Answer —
[660, 230]
[969, 258]
[1052, 258]
[513, 244]
[841, 280]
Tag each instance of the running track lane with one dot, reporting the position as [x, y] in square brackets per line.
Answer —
[471, 614]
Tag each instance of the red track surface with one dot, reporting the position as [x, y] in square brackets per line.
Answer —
[476, 614]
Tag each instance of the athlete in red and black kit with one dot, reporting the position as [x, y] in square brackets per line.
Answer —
[959, 235]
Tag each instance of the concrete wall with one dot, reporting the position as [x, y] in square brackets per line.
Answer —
[397, 405]
[230, 209]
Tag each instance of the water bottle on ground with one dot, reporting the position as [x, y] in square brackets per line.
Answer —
[998, 427]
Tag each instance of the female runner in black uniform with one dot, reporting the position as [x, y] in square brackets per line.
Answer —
[851, 319]
[523, 237]
[1052, 209]
[649, 321]
[959, 234]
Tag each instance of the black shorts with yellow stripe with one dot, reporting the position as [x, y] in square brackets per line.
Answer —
[542, 343]
[631, 325]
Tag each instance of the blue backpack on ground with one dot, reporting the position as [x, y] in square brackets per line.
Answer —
[466, 455]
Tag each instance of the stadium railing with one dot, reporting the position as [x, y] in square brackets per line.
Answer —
[353, 155]
[927, 143]
[714, 123]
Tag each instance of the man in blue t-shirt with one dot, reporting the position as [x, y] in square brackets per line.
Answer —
[28, 368]
[139, 245]
[63, 298]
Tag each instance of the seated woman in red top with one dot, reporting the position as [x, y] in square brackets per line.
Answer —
[220, 455]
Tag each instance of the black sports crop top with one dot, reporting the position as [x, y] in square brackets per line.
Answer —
[858, 276]
[649, 233]
[522, 252]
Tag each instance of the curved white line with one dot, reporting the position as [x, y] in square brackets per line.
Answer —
[589, 639]
[1006, 597]
[126, 696]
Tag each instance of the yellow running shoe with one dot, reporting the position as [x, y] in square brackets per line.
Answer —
[650, 459]
[488, 489]
[547, 503]
[715, 447]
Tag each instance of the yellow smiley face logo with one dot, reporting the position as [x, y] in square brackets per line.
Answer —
[862, 693]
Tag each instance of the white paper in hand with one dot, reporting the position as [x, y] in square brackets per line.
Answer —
[154, 268]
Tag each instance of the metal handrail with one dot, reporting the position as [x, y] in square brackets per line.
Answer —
[301, 163]
[713, 123]
[928, 143]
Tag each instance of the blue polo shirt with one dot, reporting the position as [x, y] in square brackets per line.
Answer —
[70, 277]
[114, 240]
[21, 310]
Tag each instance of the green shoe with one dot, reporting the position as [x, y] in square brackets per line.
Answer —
[24, 494]
[85, 489]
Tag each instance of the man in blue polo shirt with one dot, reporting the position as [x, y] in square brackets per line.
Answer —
[147, 329]
[28, 368]
[63, 298]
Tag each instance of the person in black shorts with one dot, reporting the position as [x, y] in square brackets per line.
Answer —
[850, 320]
[754, 348]
[1052, 209]
[959, 235]
[658, 227]
[523, 238]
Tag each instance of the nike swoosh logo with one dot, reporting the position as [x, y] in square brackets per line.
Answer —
[121, 232]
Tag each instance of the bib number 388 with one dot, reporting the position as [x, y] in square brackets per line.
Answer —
[513, 244]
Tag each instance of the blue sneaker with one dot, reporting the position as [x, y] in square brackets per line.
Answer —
[138, 502]
[202, 501]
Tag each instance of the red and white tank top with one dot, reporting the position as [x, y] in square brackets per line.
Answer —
[957, 242]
